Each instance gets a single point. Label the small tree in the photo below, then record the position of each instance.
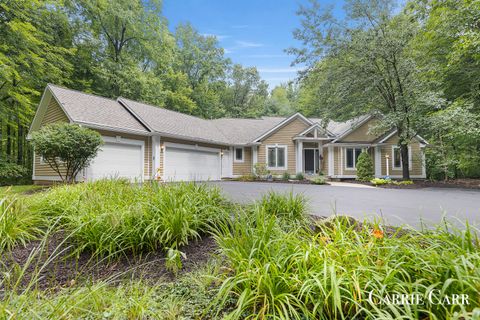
(364, 167)
(66, 148)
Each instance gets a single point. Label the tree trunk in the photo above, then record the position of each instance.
(9, 143)
(405, 163)
(20, 140)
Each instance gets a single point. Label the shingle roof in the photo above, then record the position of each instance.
(175, 123)
(141, 117)
(242, 131)
(88, 108)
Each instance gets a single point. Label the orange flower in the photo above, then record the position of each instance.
(377, 233)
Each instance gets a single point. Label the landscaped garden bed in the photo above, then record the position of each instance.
(110, 249)
(419, 184)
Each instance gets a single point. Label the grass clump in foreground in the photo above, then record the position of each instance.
(111, 217)
(332, 270)
(18, 225)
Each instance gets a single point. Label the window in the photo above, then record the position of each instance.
(238, 154)
(352, 155)
(277, 157)
(397, 158)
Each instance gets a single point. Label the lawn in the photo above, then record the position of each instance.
(110, 249)
(20, 189)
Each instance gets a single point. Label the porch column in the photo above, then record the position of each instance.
(299, 162)
(254, 157)
(330, 161)
(155, 156)
(378, 161)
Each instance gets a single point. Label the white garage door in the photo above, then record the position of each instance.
(191, 165)
(117, 160)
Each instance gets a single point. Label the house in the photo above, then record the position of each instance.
(145, 142)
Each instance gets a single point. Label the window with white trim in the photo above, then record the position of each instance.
(238, 155)
(397, 158)
(276, 157)
(351, 156)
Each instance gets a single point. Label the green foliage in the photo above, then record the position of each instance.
(247, 178)
(297, 273)
(11, 173)
(290, 206)
(261, 170)
(18, 225)
(66, 148)
(286, 176)
(300, 176)
(112, 217)
(380, 181)
(364, 167)
(319, 180)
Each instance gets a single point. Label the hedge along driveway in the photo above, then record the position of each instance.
(397, 206)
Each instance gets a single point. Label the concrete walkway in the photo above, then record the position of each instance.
(395, 206)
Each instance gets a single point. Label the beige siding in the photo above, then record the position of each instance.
(163, 140)
(417, 158)
(245, 167)
(362, 133)
(284, 136)
(54, 113)
(324, 163)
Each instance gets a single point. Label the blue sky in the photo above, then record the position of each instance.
(253, 33)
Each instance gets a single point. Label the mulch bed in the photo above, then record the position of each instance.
(65, 270)
(305, 181)
(420, 184)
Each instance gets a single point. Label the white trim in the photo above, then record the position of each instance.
(409, 158)
(284, 122)
(156, 141)
(254, 156)
(417, 137)
(189, 147)
(330, 161)
(354, 158)
(378, 161)
(424, 167)
(114, 129)
(299, 157)
(317, 126)
(276, 155)
(235, 155)
(33, 166)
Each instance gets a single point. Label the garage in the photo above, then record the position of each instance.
(191, 163)
(118, 158)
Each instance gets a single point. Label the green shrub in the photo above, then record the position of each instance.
(380, 181)
(404, 182)
(261, 170)
(11, 173)
(288, 206)
(300, 176)
(246, 178)
(17, 224)
(364, 167)
(319, 180)
(329, 273)
(66, 148)
(109, 217)
(286, 176)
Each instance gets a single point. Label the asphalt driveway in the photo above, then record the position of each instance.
(395, 206)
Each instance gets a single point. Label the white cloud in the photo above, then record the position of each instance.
(218, 36)
(248, 44)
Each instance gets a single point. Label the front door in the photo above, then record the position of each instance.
(309, 160)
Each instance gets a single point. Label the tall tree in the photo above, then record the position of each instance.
(31, 54)
(365, 65)
(246, 93)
